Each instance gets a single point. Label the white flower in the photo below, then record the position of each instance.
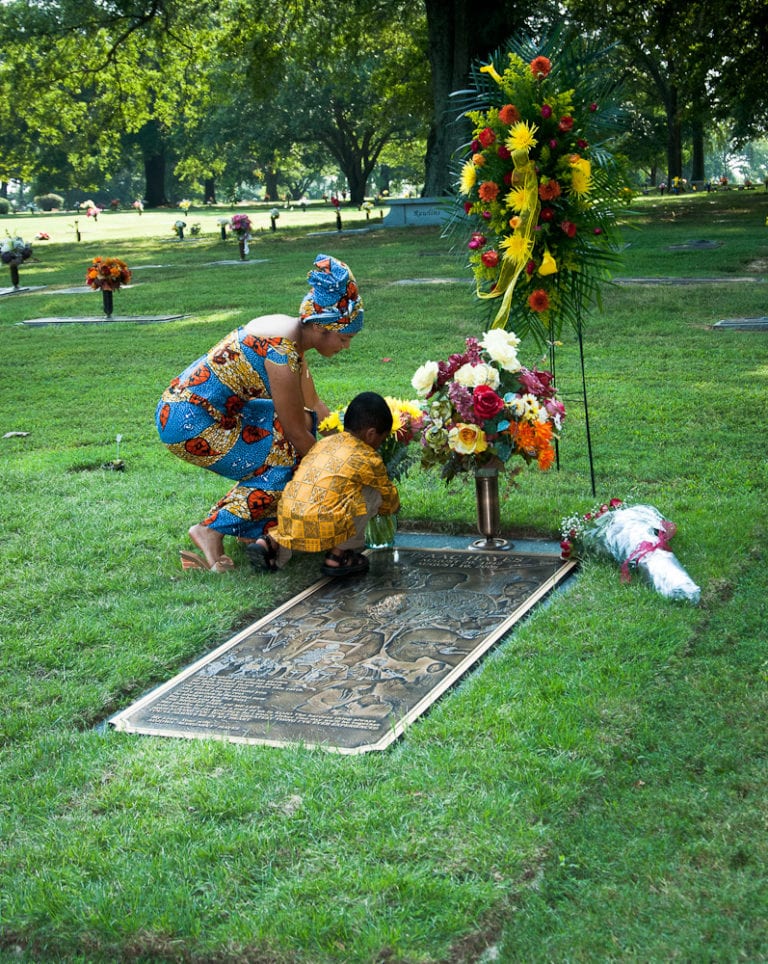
(424, 378)
(470, 376)
(502, 348)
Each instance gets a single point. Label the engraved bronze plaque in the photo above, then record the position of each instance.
(349, 663)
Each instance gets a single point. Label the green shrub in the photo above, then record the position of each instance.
(5, 205)
(48, 202)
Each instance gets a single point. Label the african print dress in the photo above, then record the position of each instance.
(219, 414)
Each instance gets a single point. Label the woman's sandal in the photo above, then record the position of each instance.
(263, 554)
(348, 563)
(191, 560)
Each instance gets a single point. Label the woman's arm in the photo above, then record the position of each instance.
(311, 399)
(289, 402)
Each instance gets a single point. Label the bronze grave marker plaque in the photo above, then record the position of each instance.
(349, 663)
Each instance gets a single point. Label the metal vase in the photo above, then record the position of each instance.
(14, 274)
(106, 299)
(488, 513)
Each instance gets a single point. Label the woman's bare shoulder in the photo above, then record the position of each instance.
(274, 326)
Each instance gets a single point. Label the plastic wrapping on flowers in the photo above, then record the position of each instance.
(539, 190)
(637, 537)
(14, 250)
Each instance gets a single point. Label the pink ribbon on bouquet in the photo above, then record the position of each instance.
(640, 551)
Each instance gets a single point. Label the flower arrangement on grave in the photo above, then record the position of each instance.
(185, 205)
(539, 189)
(14, 250)
(108, 274)
(635, 536)
(178, 228)
(481, 407)
(240, 224)
(397, 452)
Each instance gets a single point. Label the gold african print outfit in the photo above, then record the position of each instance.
(318, 507)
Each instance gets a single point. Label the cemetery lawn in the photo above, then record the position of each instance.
(595, 790)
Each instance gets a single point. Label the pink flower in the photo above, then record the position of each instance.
(553, 144)
(569, 228)
(476, 241)
(593, 107)
(546, 111)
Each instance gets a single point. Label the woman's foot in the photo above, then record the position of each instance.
(345, 562)
(211, 544)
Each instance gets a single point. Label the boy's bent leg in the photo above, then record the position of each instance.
(372, 505)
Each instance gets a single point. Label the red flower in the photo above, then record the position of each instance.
(546, 111)
(530, 267)
(504, 152)
(488, 191)
(549, 191)
(509, 114)
(467, 207)
(490, 258)
(486, 402)
(553, 144)
(538, 300)
(547, 214)
(569, 228)
(565, 123)
(486, 137)
(540, 67)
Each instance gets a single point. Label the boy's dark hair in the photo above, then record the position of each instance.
(368, 410)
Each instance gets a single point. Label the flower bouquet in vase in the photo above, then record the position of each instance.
(107, 275)
(482, 407)
(14, 251)
(240, 225)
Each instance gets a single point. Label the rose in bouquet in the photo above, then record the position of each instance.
(396, 450)
(14, 250)
(241, 226)
(108, 274)
(539, 188)
(482, 407)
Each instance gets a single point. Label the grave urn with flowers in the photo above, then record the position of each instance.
(481, 410)
(240, 225)
(107, 275)
(14, 251)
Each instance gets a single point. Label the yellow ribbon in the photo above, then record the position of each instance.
(513, 264)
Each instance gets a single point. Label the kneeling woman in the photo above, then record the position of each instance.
(248, 409)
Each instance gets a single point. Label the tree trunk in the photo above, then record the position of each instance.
(697, 150)
(270, 185)
(209, 190)
(674, 137)
(154, 173)
(458, 31)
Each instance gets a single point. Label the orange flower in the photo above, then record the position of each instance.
(546, 458)
(488, 191)
(478, 160)
(550, 190)
(540, 67)
(538, 300)
(509, 114)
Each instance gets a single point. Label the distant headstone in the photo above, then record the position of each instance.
(415, 212)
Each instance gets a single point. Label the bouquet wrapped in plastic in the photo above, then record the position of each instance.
(638, 537)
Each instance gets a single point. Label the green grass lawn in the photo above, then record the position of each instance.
(595, 790)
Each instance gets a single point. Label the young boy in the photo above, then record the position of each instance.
(339, 484)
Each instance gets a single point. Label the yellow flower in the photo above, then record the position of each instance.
(468, 177)
(331, 423)
(548, 264)
(581, 175)
(467, 439)
(491, 71)
(516, 248)
(517, 199)
(521, 137)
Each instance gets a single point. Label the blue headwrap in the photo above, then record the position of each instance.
(333, 299)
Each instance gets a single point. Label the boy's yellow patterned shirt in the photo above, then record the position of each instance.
(318, 506)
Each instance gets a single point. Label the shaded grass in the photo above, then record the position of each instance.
(588, 793)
